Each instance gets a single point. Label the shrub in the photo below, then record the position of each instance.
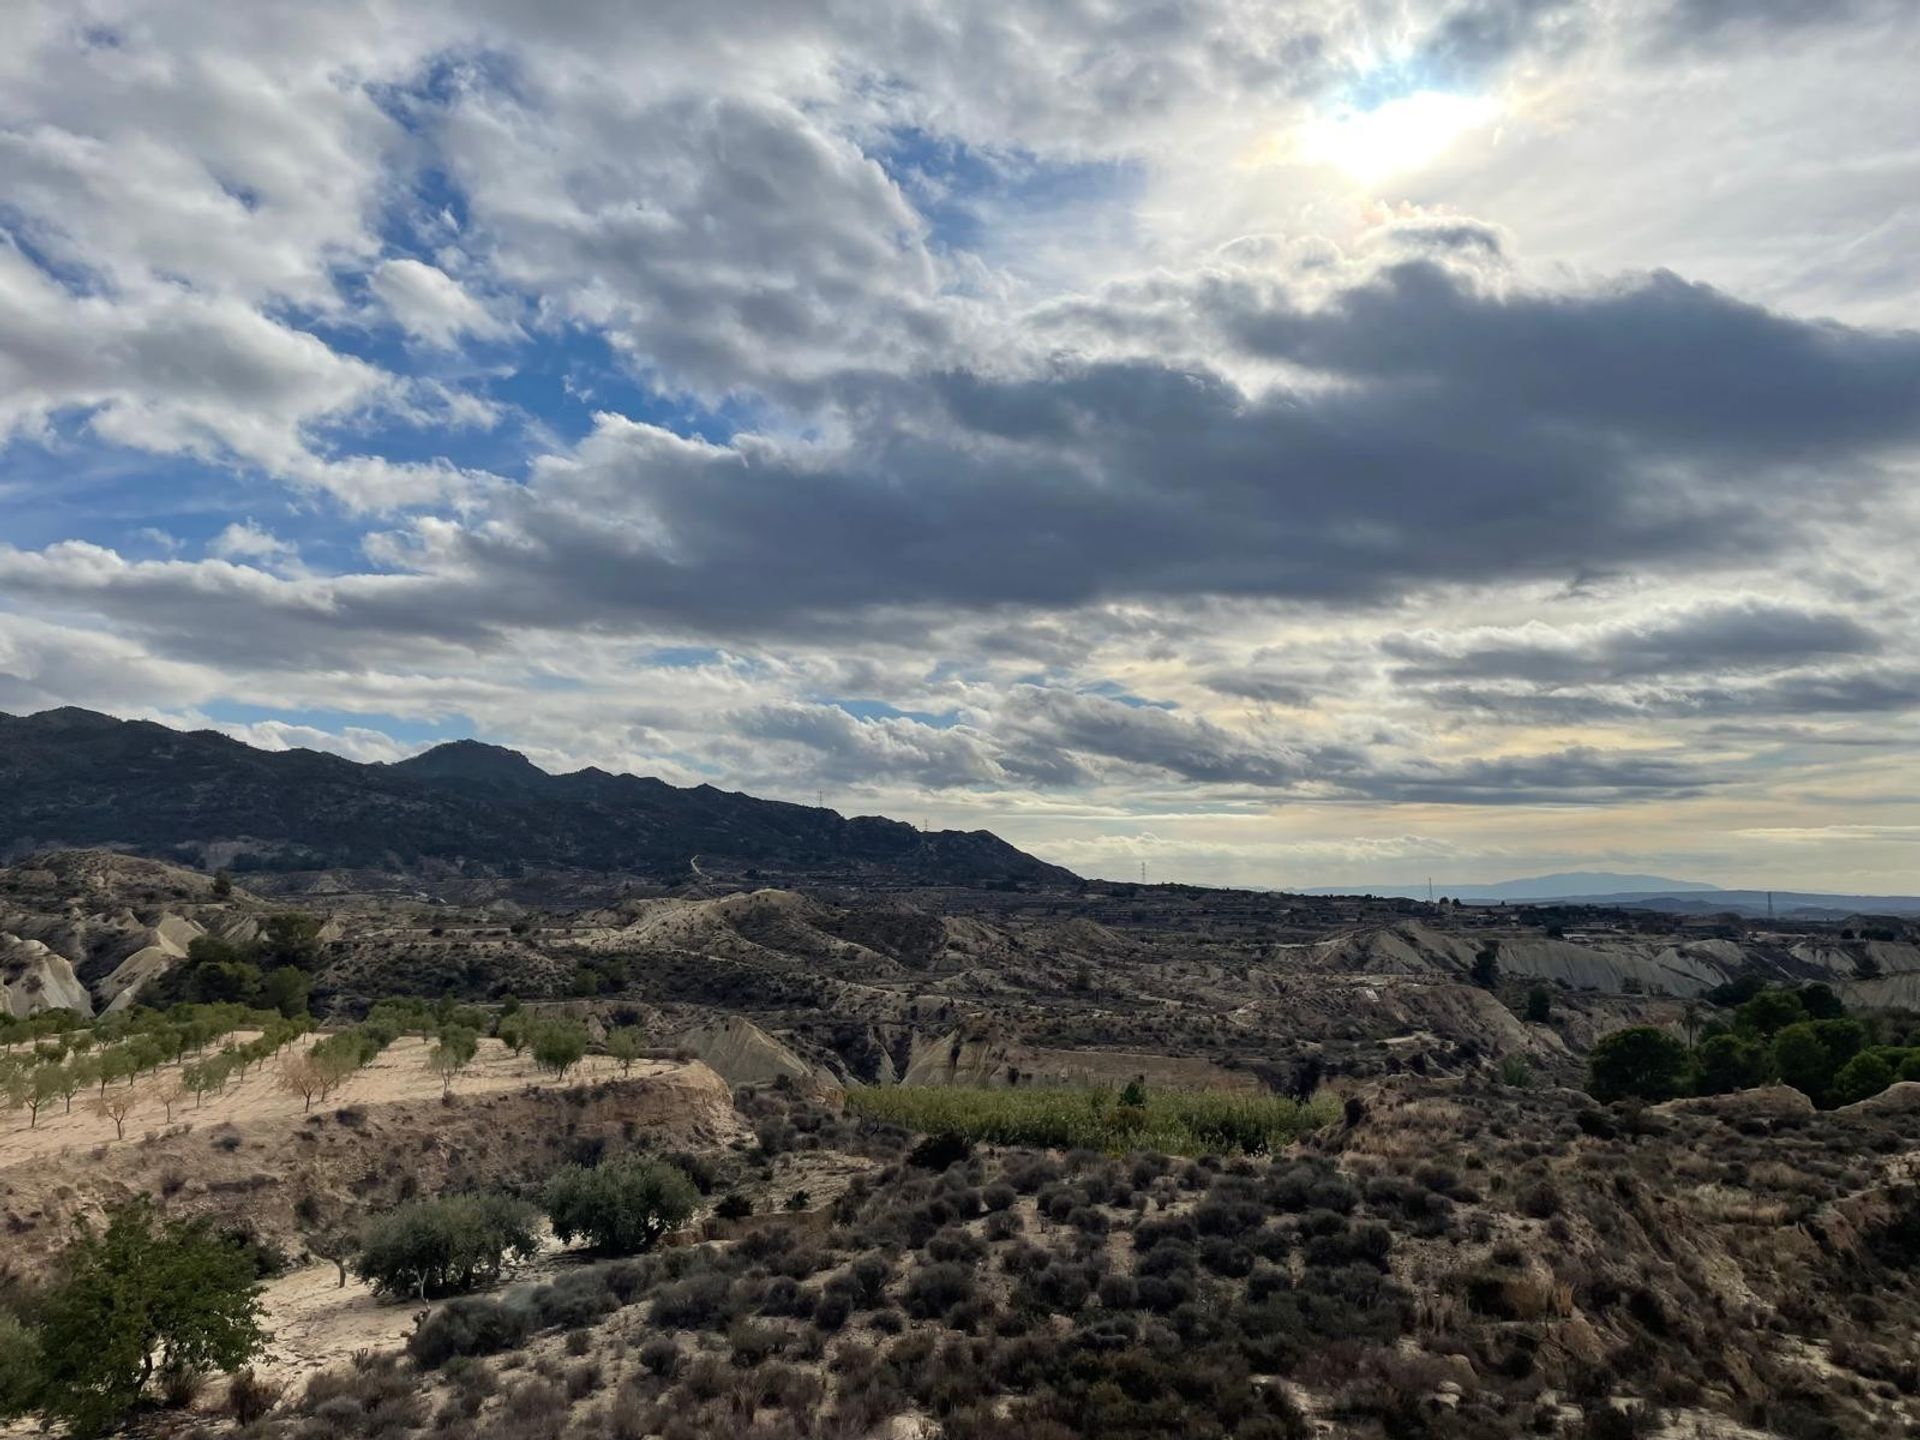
(473, 1325)
(700, 1302)
(445, 1246)
(621, 1206)
(249, 1398)
(21, 1366)
(1641, 1061)
(936, 1289)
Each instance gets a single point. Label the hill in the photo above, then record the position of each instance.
(71, 777)
(1562, 885)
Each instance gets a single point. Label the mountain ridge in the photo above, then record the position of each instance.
(73, 777)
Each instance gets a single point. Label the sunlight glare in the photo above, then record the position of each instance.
(1401, 135)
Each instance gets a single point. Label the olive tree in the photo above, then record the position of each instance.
(620, 1206)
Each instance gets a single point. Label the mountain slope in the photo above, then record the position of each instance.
(74, 778)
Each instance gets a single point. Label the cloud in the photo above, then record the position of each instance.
(999, 365)
(1710, 639)
(244, 540)
(429, 303)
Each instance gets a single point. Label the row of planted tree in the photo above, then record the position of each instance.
(163, 1060)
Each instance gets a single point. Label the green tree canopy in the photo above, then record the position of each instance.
(1810, 1055)
(1642, 1061)
(625, 1045)
(445, 1246)
(1770, 1011)
(1732, 1061)
(621, 1206)
(558, 1045)
(1865, 1074)
(138, 1298)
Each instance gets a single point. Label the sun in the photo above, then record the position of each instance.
(1397, 136)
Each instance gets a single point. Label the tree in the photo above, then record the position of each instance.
(1690, 1020)
(625, 1044)
(1820, 1002)
(446, 1246)
(286, 990)
(444, 1064)
(1134, 1093)
(512, 1031)
(1732, 1061)
(1486, 967)
(301, 1075)
(222, 884)
(116, 1106)
(1539, 1005)
(1865, 1074)
(621, 1206)
(558, 1046)
(1810, 1055)
(1640, 1061)
(43, 1086)
(137, 1298)
(75, 1076)
(206, 1078)
(1802, 1061)
(291, 938)
(1770, 1012)
(169, 1094)
(339, 1246)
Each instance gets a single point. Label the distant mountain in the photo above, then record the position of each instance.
(1648, 892)
(1564, 885)
(75, 778)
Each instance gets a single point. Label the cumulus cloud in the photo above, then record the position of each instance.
(965, 375)
(431, 304)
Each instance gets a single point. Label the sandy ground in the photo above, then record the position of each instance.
(314, 1324)
(397, 1076)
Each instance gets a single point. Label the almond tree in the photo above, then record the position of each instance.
(300, 1075)
(116, 1106)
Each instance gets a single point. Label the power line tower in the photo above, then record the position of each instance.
(1143, 872)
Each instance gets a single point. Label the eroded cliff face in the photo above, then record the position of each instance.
(35, 978)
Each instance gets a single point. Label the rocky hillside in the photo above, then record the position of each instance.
(71, 777)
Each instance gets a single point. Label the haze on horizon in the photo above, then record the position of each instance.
(1285, 445)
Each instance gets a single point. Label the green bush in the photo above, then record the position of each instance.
(446, 1246)
(134, 1301)
(22, 1367)
(473, 1325)
(620, 1206)
(1641, 1061)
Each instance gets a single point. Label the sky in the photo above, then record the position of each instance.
(1277, 445)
